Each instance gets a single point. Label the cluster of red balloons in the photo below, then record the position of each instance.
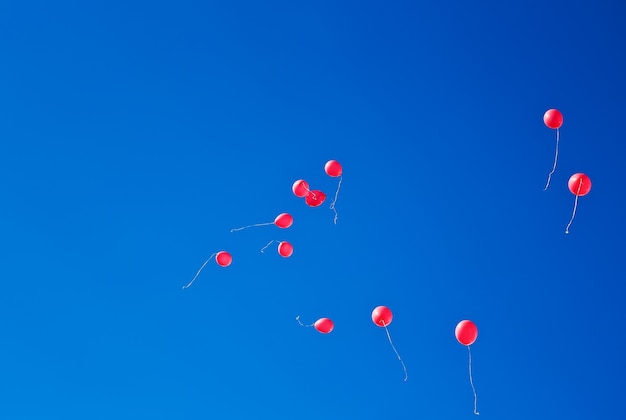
(285, 249)
(579, 184)
(315, 198)
(466, 333)
(300, 188)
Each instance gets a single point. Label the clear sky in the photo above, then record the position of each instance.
(134, 135)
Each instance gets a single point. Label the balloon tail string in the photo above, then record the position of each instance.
(249, 226)
(332, 205)
(575, 205)
(406, 375)
(268, 244)
(198, 273)
(556, 156)
(300, 322)
(472, 380)
(311, 192)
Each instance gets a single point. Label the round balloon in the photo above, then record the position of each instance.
(283, 220)
(324, 325)
(223, 258)
(300, 188)
(553, 118)
(333, 168)
(315, 198)
(579, 184)
(285, 249)
(382, 316)
(466, 332)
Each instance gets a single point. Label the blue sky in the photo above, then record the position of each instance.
(135, 135)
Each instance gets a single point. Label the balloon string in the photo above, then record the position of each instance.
(575, 205)
(300, 322)
(406, 375)
(332, 205)
(249, 226)
(196, 276)
(268, 244)
(556, 155)
(311, 192)
(471, 380)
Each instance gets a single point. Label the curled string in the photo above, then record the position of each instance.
(268, 244)
(300, 322)
(332, 205)
(406, 375)
(575, 205)
(556, 155)
(471, 380)
(196, 276)
(249, 226)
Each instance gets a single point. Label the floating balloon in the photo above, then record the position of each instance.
(300, 188)
(285, 249)
(222, 258)
(579, 184)
(323, 325)
(315, 198)
(283, 221)
(466, 334)
(382, 316)
(553, 119)
(333, 168)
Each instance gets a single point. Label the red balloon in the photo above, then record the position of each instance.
(283, 220)
(223, 258)
(466, 332)
(285, 249)
(382, 316)
(579, 184)
(333, 168)
(553, 118)
(300, 188)
(315, 198)
(324, 325)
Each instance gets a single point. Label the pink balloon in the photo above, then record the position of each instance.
(223, 258)
(315, 198)
(579, 184)
(553, 118)
(333, 168)
(382, 316)
(285, 249)
(466, 332)
(283, 220)
(300, 188)
(324, 325)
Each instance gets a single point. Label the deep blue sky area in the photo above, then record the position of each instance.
(134, 135)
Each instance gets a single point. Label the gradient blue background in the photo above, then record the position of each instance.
(135, 135)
